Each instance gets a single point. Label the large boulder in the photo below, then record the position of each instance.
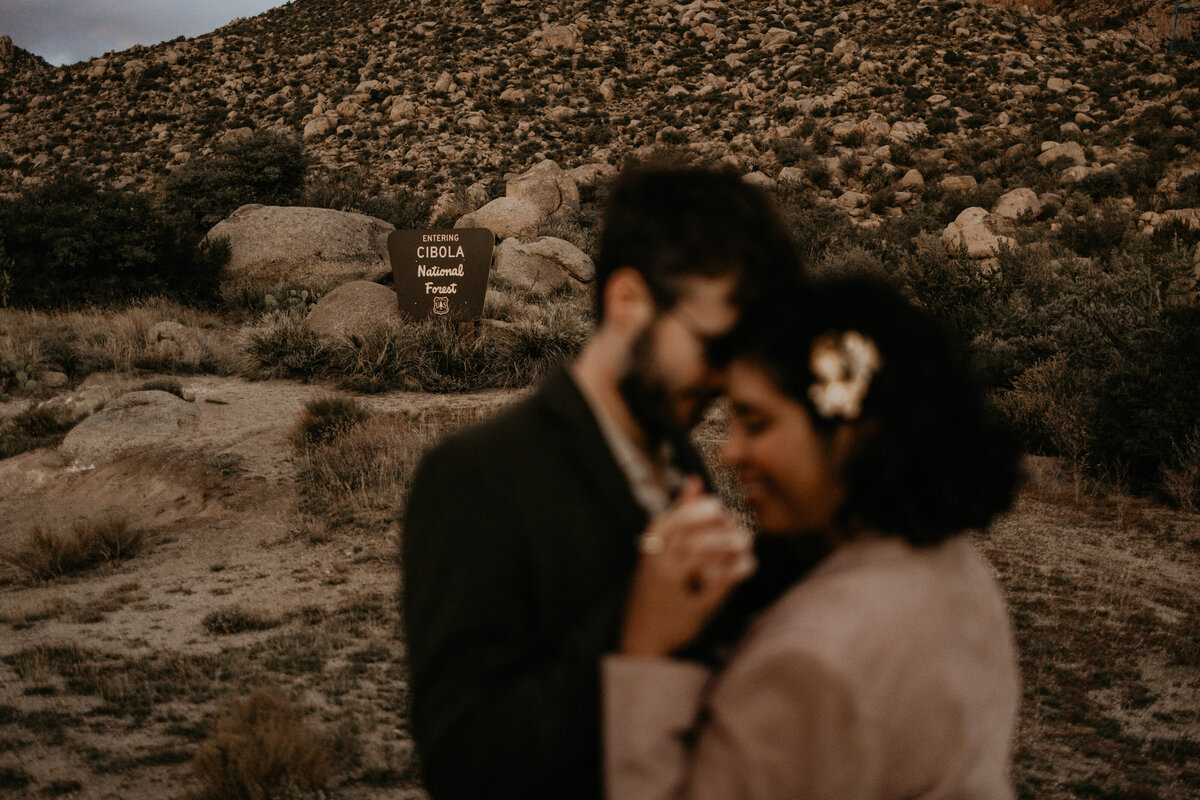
(505, 217)
(542, 265)
(591, 174)
(1052, 151)
(315, 247)
(1018, 203)
(135, 419)
(907, 131)
(547, 186)
(977, 231)
(350, 308)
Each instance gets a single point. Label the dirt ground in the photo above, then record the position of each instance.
(110, 679)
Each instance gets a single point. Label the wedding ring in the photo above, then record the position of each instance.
(651, 543)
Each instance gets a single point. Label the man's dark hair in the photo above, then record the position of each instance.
(934, 459)
(674, 223)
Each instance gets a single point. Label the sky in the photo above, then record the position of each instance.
(67, 31)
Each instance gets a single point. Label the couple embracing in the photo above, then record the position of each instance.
(584, 618)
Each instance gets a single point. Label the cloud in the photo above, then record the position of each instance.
(67, 31)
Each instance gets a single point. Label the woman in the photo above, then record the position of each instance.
(889, 670)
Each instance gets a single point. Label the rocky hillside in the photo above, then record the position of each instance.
(441, 100)
(15, 62)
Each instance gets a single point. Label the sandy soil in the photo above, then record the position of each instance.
(1107, 584)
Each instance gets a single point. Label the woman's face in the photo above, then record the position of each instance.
(787, 470)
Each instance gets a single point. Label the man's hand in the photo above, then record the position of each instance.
(693, 555)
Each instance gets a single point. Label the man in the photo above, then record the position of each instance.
(521, 533)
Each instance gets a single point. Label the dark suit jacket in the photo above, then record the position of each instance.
(518, 545)
(519, 542)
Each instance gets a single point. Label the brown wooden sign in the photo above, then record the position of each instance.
(441, 272)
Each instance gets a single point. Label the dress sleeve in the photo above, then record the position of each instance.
(776, 725)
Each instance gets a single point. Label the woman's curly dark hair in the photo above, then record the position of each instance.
(933, 460)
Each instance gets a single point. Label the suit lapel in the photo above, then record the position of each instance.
(584, 445)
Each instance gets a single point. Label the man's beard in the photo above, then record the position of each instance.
(650, 402)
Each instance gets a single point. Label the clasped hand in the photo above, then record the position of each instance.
(692, 556)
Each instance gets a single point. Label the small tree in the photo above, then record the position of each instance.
(265, 168)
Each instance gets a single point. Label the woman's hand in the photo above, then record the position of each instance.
(693, 555)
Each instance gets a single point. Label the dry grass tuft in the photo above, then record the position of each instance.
(236, 619)
(81, 342)
(364, 475)
(261, 749)
(327, 417)
(45, 426)
(46, 554)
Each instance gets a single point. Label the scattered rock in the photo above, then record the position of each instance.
(1052, 151)
(911, 180)
(974, 229)
(958, 183)
(53, 379)
(588, 175)
(852, 200)
(1018, 203)
(315, 247)
(907, 131)
(546, 186)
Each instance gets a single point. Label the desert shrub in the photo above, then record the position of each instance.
(47, 554)
(262, 749)
(326, 417)
(789, 151)
(1092, 359)
(1096, 232)
(1189, 190)
(363, 476)
(814, 228)
(1103, 183)
(70, 242)
(238, 619)
(280, 346)
(84, 341)
(429, 355)
(351, 190)
(1149, 406)
(943, 120)
(853, 138)
(821, 140)
(1181, 475)
(264, 168)
(43, 426)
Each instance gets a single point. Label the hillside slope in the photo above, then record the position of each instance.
(478, 89)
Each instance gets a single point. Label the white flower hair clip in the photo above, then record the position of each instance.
(843, 365)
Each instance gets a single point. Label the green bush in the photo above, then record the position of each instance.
(1149, 403)
(1091, 359)
(70, 242)
(351, 190)
(264, 168)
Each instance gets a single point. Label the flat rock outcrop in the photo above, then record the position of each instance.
(135, 419)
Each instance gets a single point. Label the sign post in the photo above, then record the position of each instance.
(441, 272)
